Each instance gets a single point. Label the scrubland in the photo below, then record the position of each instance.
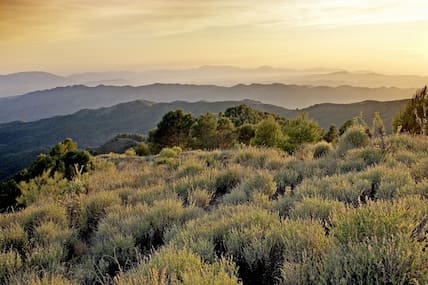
(352, 213)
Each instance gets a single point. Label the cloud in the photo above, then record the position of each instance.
(68, 18)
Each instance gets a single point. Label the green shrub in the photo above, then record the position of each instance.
(142, 149)
(321, 149)
(34, 216)
(42, 187)
(168, 152)
(130, 152)
(406, 157)
(283, 205)
(291, 176)
(316, 208)
(190, 168)
(386, 183)
(227, 180)
(10, 264)
(200, 198)
(392, 260)
(44, 278)
(354, 137)
(261, 182)
(48, 257)
(370, 155)
(14, 237)
(50, 232)
(420, 170)
(94, 209)
(344, 188)
(172, 266)
(381, 219)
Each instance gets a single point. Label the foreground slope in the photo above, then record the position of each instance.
(356, 215)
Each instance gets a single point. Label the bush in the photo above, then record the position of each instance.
(172, 266)
(168, 152)
(354, 137)
(42, 187)
(261, 183)
(371, 156)
(344, 188)
(190, 168)
(386, 183)
(226, 181)
(130, 152)
(93, 210)
(14, 237)
(316, 208)
(392, 260)
(321, 149)
(10, 264)
(46, 258)
(200, 198)
(420, 170)
(36, 216)
(142, 149)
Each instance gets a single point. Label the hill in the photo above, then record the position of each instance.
(25, 82)
(67, 100)
(20, 142)
(243, 216)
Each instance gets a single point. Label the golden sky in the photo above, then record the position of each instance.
(67, 36)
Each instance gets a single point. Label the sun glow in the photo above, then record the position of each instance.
(67, 36)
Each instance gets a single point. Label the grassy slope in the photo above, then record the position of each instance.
(237, 204)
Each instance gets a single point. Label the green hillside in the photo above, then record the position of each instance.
(352, 214)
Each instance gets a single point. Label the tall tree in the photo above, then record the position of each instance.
(332, 135)
(172, 130)
(268, 133)
(226, 133)
(204, 132)
(243, 114)
(301, 130)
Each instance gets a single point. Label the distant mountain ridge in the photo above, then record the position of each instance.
(20, 142)
(67, 100)
(25, 82)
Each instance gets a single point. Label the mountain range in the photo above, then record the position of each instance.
(67, 100)
(25, 82)
(21, 142)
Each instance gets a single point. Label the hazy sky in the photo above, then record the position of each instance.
(68, 36)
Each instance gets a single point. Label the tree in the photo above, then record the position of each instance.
(243, 114)
(346, 125)
(414, 118)
(204, 132)
(246, 133)
(268, 133)
(301, 130)
(172, 130)
(226, 133)
(332, 135)
(63, 147)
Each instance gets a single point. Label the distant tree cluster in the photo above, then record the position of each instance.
(237, 125)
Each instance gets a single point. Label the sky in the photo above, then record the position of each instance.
(68, 36)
